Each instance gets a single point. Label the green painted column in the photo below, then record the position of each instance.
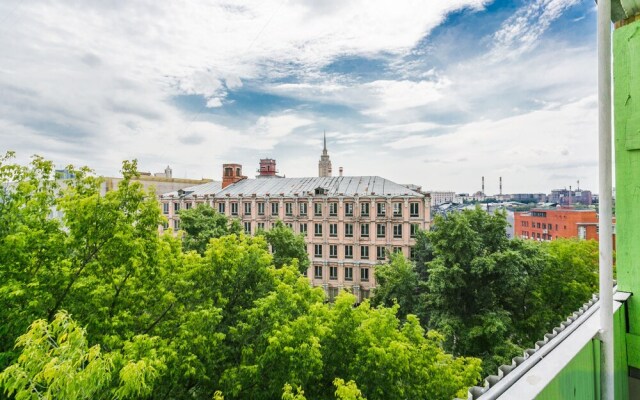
(626, 77)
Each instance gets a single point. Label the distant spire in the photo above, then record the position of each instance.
(325, 140)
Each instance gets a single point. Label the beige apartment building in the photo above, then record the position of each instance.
(350, 223)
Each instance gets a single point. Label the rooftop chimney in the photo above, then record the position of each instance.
(500, 186)
(267, 167)
(483, 185)
(231, 173)
(340, 170)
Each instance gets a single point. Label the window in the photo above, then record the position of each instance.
(414, 209)
(397, 209)
(381, 230)
(317, 272)
(317, 209)
(176, 224)
(333, 273)
(348, 230)
(364, 230)
(333, 293)
(414, 230)
(247, 208)
(317, 229)
(165, 225)
(333, 230)
(544, 226)
(221, 208)
(261, 226)
(260, 208)
(382, 209)
(288, 209)
(397, 249)
(364, 293)
(364, 209)
(364, 274)
(303, 209)
(247, 228)
(317, 250)
(348, 209)
(234, 208)
(348, 251)
(303, 228)
(550, 227)
(333, 251)
(333, 209)
(274, 209)
(538, 224)
(189, 205)
(289, 225)
(380, 253)
(364, 252)
(397, 231)
(348, 274)
(412, 253)
(176, 206)
(165, 208)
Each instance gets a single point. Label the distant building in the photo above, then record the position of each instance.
(566, 197)
(552, 223)
(162, 182)
(438, 198)
(529, 197)
(349, 223)
(324, 165)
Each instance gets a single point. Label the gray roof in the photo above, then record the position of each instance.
(334, 186)
(209, 188)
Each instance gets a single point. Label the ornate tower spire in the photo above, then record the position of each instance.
(324, 165)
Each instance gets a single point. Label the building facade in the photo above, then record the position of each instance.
(569, 197)
(549, 224)
(350, 224)
(438, 198)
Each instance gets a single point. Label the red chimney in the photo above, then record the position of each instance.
(267, 167)
(231, 173)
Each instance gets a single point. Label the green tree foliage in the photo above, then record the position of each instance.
(161, 322)
(489, 296)
(202, 223)
(287, 246)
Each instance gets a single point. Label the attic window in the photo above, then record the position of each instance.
(320, 191)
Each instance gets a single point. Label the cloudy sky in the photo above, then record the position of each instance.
(432, 92)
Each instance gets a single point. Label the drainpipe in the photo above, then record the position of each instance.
(605, 190)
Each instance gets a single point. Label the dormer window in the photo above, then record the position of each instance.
(320, 191)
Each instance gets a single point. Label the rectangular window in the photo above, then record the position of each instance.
(188, 205)
(348, 209)
(397, 209)
(364, 252)
(176, 224)
(317, 209)
(221, 208)
(165, 225)
(348, 251)
(333, 293)
(303, 209)
(247, 228)
(333, 230)
(397, 249)
(303, 228)
(381, 253)
(550, 227)
(288, 209)
(176, 206)
(382, 209)
(333, 209)
(364, 274)
(317, 229)
(414, 230)
(317, 272)
(364, 230)
(412, 253)
(333, 251)
(317, 250)
(397, 231)
(274, 209)
(364, 293)
(364, 209)
(414, 209)
(234, 208)
(261, 208)
(333, 273)
(381, 230)
(289, 225)
(348, 274)
(261, 226)
(348, 230)
(165, 208)
(247, 208)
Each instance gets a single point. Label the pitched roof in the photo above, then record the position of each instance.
(333, 186)
(208, 188)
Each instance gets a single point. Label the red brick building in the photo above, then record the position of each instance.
(549, 224)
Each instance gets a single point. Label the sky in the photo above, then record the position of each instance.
(436, 93)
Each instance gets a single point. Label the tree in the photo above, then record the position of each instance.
(202, 223)
(397, 284)
(286, 246)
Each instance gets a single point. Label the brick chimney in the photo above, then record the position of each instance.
(267, 167)
(231, 173)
